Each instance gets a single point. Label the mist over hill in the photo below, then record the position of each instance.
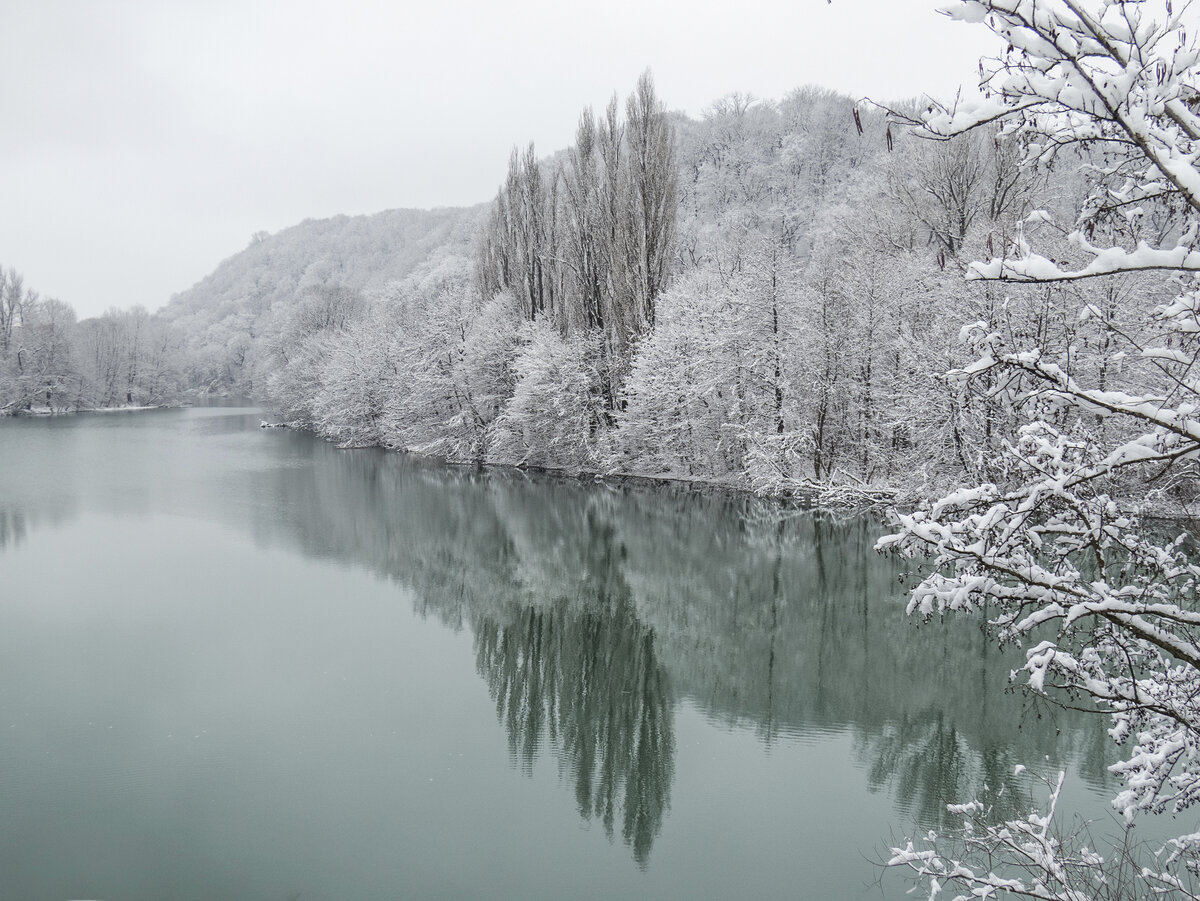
(219, 317)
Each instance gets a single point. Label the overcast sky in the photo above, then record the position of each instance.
(143, 142)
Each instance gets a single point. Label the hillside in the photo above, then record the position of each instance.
(222, 313)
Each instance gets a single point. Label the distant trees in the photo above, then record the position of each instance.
(127, 357)
(47, 373)
(13, 297)
(37, 369)
(50, 361)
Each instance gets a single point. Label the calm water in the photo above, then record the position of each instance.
(243, 664)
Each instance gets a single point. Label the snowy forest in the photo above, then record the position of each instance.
(763, 298)
(52, 362)
(986, 311)
(769, 297)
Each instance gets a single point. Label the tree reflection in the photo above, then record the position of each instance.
(595, 607)
(583, 676)
(13, 527)
(17, 522)
(928, 761)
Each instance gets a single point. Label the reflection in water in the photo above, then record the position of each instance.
(589, 683)
(13, 528)
(596, 608)
(581, 674)
(929, 761)
(18, 520)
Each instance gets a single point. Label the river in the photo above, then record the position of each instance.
(242, 663)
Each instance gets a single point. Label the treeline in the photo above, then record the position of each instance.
(52, 362)
(209, 339)
(768, 297)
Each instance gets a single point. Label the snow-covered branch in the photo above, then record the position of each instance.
(1104, 604)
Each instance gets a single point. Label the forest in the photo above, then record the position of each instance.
(986, 312)
(767, 297)
(51, 362)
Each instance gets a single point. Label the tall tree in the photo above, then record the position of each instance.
(653, 186)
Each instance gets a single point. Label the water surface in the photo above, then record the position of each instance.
(242, 663)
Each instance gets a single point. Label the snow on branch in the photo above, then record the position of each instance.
(1077, 71)
(1050, 553)
(1118, 80)
(1109, 261)
(1038, 856)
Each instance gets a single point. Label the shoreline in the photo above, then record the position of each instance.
(837, 499)
(832, 499)
(40, 412)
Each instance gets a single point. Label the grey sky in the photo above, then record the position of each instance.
(146, 141)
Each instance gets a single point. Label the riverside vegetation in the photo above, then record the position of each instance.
(773, 298)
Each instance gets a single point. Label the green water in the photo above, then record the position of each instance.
(240, 663)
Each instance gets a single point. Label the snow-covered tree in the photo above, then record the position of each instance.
(1104, 605)
(40, 370)
(556, 408)
(13, 295)
(308, 330)
(357, 377)
(454, 356)
(677, 398)
(587, 242)
(652, 179)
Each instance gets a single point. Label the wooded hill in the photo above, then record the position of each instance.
(207, 337)
(220, 317)
(768, 296)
